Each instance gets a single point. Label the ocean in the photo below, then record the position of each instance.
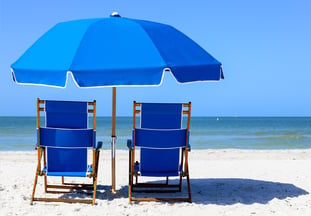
(19, 133)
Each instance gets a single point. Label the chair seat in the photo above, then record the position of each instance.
(157, 173)
(69, 174)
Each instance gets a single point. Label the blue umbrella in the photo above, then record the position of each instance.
(114, 51)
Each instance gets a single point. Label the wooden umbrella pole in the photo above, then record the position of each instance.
(113, 143)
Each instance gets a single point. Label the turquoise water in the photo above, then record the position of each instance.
(19, 134)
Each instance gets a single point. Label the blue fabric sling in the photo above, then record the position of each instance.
(160, 138)
(66, 138)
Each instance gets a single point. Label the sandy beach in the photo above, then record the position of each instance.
(223, 182)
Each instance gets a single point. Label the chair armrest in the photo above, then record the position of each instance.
(189, 147)
(99, 145)
(130, 144)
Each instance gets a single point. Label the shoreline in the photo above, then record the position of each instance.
(223, 182)
(239, 153)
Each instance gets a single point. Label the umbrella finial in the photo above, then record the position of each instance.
(115, 14)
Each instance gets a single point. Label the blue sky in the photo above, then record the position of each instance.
(264, 47)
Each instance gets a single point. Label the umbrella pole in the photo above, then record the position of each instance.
(113, 143)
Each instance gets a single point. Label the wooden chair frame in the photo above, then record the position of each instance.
(135, 186)
(64, 188)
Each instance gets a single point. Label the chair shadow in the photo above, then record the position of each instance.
(229, 191)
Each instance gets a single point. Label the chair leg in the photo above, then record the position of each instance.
(34, 188)
(130, 192)
(96, 161)
(95, 188)
(45, 184)
(180, 183)
(189, 189)
(130, 177)
(95, 176)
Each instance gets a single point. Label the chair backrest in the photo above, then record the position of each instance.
(66, 136)
(160, 137)
(161, 115)
(66, 114)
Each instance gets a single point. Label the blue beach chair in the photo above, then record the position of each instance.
(163, 145)
(63, 147)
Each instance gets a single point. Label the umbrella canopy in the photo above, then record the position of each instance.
(114, 51)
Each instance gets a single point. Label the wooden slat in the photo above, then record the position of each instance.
(86, 201)
(67, 192)
(153, 199)
(154, 185)
(73, 187)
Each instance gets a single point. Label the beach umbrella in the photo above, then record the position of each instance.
(111, 52)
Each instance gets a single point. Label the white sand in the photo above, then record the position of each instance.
(223, 182)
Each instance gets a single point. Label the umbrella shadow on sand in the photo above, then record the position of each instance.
(219, 191)
(103, 192)
(229, 191)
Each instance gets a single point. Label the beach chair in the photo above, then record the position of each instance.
(162, 146)
(64, 144)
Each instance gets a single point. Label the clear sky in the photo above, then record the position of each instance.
(264, 46)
